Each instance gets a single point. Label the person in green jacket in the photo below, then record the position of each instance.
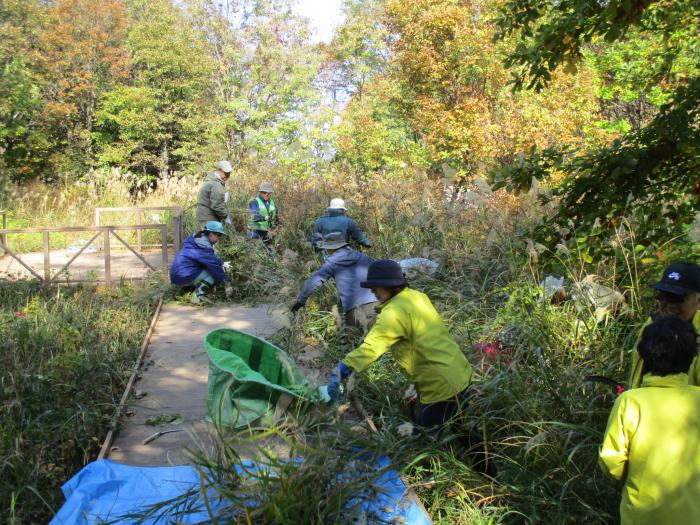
(677, 293)
(651, 440)
(211, 202)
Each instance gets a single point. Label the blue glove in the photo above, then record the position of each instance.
(340, 373)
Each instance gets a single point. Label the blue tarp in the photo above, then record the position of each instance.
(105, 490)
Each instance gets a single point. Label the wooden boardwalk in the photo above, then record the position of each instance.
(173, 382)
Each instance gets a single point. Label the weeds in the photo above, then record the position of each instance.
(65, 357)
(541, 422)
(326, 474)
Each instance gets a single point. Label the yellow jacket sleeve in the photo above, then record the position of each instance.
(388, 330)
(614, 451)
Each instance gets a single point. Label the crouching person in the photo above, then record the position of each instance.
(651, 441)
(408, 325)
(197, 265)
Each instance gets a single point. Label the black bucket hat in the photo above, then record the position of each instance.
(680, 278)
(384, 273)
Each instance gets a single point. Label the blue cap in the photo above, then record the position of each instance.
(214, 227)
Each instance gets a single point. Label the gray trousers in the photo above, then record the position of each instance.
(362, 316)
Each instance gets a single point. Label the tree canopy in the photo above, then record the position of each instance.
(599, 100)
(651, 173)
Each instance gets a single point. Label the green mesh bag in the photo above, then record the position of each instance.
(250, 380)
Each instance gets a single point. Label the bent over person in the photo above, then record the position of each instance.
(408, 325)
(335, 220)
(651, 440)
(197, 265)
(348, 268)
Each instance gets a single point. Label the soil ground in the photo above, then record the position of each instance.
(88, 266)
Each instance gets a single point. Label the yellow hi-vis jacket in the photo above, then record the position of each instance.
(652, 444)
(635, 380)
(409, 326)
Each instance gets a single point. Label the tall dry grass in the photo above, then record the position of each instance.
(540, 421)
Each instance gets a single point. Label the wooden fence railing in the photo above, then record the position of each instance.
(137, 212)
(103, 233)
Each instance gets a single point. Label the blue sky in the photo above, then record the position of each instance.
(325, 15)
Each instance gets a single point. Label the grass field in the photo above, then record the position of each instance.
(542, 423)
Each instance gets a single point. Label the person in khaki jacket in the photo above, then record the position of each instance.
(211, 203)
(651, 441)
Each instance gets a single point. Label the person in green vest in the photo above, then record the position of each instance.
(263, 216)
(677, 293)
(211, 202)
(651, 439)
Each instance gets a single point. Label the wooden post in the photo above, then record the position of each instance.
(108, 261)
(4, 226)
(138, 232)
(47, 260)
(97, 223)
(164, 243)
(177, 229)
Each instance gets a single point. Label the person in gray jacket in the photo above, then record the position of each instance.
(211, 204)
(335, 220)
(348, 268)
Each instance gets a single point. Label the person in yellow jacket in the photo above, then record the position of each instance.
(677, 293)
(408, 325)
(651, 440)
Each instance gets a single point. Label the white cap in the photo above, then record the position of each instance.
(224, 166)
(337, 204)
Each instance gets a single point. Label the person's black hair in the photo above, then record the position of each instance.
(669, 298)
(394, 290)
(668, 346)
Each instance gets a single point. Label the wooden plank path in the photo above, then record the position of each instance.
(173, 381)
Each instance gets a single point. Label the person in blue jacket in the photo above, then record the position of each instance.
(335, 220)
(348, 268)
(197, 265)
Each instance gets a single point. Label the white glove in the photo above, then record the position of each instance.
(405, 429)
(228, 220)
(227, 266)
(228, 290)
